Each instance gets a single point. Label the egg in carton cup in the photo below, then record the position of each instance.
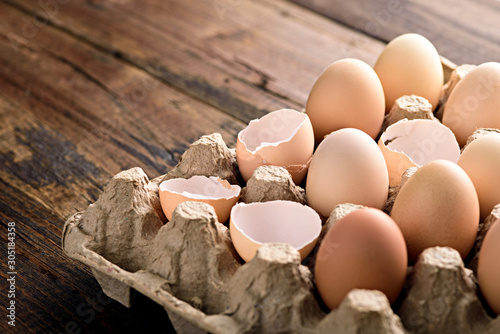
(190, 267)
(195, 266)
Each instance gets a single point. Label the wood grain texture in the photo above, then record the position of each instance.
(248, 59)
(50, 82)
(464, 31)
(89, 88)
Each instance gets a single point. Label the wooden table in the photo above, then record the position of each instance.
(90, 88)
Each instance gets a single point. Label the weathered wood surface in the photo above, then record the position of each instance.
(89, 88)
(464, 31)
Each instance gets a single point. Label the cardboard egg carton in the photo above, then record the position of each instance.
(190, 267)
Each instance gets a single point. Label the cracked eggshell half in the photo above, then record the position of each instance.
(252, 225)
(281, 138)
(212, 190)
(413, 143)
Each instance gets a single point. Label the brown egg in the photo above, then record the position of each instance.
(252, 225)
(488, 269)
(481, 161)
(348, 94)
(410, 65)
(437, 206)
(474, 102)
(363, 250)
(281, 138)
(347, 167)
(211, 190)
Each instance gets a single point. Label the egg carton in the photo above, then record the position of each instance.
(190, 267)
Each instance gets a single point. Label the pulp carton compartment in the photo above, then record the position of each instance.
(189, 265)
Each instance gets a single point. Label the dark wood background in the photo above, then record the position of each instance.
(90, 88)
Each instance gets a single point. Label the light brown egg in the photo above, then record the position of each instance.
(481, 161)
(410, 65)
(411, 143)
(474, 102)
(437, 206)
(363, 250)
(347, 167)
(348, 94)
(211, 190)
(488, 269)
(281, 138)
(254, 224)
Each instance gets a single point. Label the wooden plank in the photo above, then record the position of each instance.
(99, 87)
(463, 31)
(54, 293)
(68, 123)
(37, 192)
(50, 73)
(255, 57)
(70, 97)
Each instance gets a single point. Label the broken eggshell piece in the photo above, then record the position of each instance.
(282, 138)
(211, 190)
(252, 225)
(413, 143)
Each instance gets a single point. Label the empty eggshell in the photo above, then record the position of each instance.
(348, 94)
(254, 224)
(410, 64)
(282, 138)
(488, 270)
(411, 143)
(211, 190)
(347, 167)
(474, 102)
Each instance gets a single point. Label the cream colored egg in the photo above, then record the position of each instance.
(347, 167)
(437, 206)
(481, 161)
(348, 94)
(474, 102)
(488, 268)
(410, 65)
